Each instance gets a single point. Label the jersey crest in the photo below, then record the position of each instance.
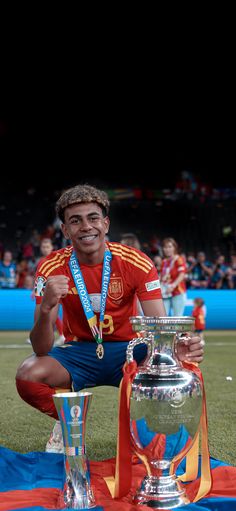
(115, 289)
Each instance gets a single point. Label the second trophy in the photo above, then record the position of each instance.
(72, 408)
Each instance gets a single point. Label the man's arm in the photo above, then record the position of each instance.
(207, 269)
(153, 307)
(42, 333)
(177, 281)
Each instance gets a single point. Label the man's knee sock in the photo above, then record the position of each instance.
(38, 395)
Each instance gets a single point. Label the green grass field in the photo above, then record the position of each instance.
(24, 429)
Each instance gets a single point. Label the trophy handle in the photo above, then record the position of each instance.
(132, 344)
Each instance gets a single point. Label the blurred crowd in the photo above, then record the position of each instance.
(199, 272)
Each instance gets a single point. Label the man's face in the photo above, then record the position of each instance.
(169, 249)
(46, 248)
(201, 257)
(85, 226)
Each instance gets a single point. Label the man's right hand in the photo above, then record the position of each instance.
(56, 288)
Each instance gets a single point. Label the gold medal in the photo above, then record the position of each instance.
(100, 351)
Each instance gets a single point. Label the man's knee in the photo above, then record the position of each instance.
(31, 370)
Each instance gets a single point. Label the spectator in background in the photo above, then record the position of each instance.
(190, 264)
(28, 282)
(199, 313)
(201, 271)
(46, 247)
(218, 279)
(173, 273)
(8, 274)
(22, 272)
(131, 240)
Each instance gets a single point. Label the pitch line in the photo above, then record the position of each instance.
(15, 346)
(26, 346)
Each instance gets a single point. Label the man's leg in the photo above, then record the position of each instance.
(178, 304)
(167, 305)
(37, 379)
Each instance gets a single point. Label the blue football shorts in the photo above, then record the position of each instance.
(86, 370)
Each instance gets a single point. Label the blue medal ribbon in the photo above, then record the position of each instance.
(84, 296)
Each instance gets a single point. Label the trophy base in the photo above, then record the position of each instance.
(161, 493)
(77, 496)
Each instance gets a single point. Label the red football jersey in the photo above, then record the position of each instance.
(133, 275)
(198, 314)
(170, 269)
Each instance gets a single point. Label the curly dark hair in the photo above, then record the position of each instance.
(79, 194)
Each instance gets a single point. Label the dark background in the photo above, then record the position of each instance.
(78, 111)
(56, 148)
(114, 126)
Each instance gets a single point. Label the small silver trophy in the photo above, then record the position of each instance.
(72, 408)
(165, 405)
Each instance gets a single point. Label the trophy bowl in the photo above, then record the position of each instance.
(165, 408)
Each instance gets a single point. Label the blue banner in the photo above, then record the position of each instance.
(220, 307)
(17, 308)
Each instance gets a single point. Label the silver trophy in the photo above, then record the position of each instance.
(72, 408)
(165, 408)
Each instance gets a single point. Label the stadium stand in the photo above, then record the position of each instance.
(198, 222)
